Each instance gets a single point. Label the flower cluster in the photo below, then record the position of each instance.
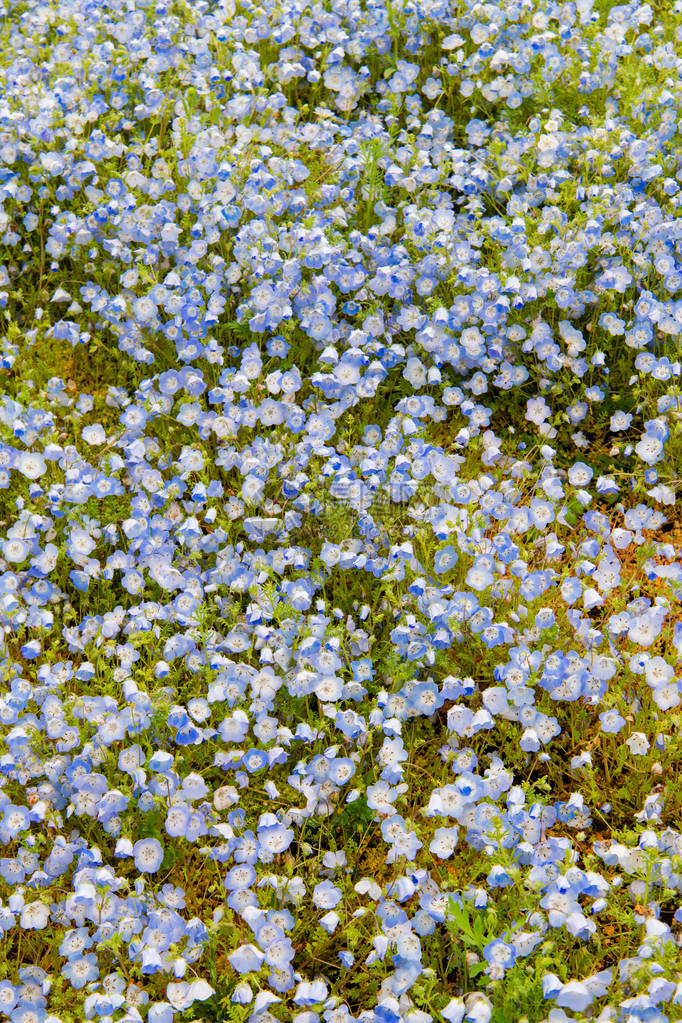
(339, 564)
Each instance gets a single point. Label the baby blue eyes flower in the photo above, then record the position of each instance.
(537, 410)
(579, 475)
(161, 761)
(15, 820)
(246, 959)
(182, 994)
(144, 309)
(329, 922)
(81, 970)
(454, 1011)
(240, 877)
(275, 838)
(620, 421)
(34, 916)
(255, 760)
(148, 854)
(8, 996)
(480, 576)
(31, 465)
(649, 449)
(445, 559)
(326, 895)
(242, 994)
(94, 434)
(16, 551)
(499, 955)
(178, 821)
(575, 996)
(499, 877)
(160, 1012)
(28, 1013)
(612, 323)
(637, 743)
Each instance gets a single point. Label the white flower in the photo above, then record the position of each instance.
(637, 743)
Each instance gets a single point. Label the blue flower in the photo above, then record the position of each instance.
(500, 957)
(446, 558)
(575, 996)
(28, 1012)
(246, 959)
(81, 969)
(148, 854)
(650, 448)
(454, 1011)
(8, 996)
(480, 575)
(499, 877)
(274, 839)
(240, 877)
(326, 895)
(242, 994)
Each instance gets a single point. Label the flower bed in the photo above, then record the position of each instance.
(339, 555)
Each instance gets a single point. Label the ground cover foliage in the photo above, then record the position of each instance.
(339, 547)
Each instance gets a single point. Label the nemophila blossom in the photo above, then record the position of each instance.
(650, 448)
(445, 559)
(34, 916)
(94, 434)
(31, 465)
(500, 957)
(15, 820)
(240, 877)
(637, 743)
(326, 895)
(620, 421)
(8, 996)
(28, 1012)
(80, 970)
(246, 959)
(242, 994)
(275, 838)
(579, 474)
(480, 575)
(454, 1011)
(148, 854)
(537, 410)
